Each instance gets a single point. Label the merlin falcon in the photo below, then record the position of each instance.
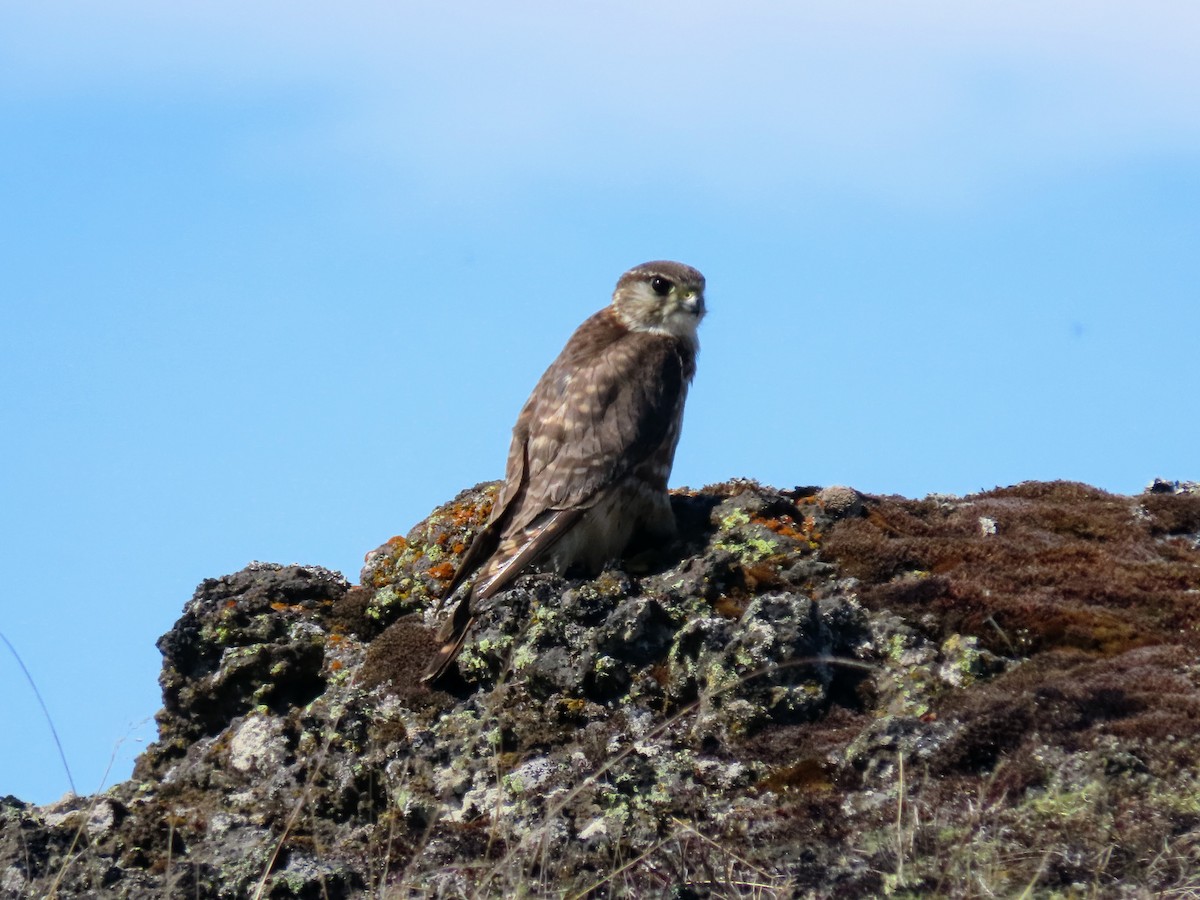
(593, 446)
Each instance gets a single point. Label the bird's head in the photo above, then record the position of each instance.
(662, 298)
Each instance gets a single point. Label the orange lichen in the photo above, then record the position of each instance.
(661, 673)
(471, 514)
(729, 607)
(761, 576)
(442, 571)
(395, 545)
(570, 709)
(783, 525)
(804, 532)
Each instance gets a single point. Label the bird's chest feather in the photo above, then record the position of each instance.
(603, 533)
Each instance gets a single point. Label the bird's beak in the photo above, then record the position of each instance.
(693, 303)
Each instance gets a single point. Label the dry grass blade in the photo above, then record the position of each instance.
(52, 891)
(645, 854)
(45, 712)
(297, 808)
(691, 829)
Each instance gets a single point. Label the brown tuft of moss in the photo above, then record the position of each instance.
(1173, 514)
(1028, 568)
(349, 614)
(399, 656)
(807, 775)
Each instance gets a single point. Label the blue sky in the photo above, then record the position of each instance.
(275, 280)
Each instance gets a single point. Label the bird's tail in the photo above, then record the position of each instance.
(452, 635)
(508, 559)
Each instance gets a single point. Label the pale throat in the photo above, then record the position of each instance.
(647, 316)
(681, 325)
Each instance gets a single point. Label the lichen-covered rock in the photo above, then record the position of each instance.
(812, 693)
(252, 639)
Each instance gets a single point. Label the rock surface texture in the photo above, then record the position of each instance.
(814, 693)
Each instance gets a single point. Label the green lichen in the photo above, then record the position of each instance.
(743, 657)
(478, 658)
(524, 657)
(660, 794)
(895, 646)
(615, 805)
(735, 519)
(719, 679)
(750, 548)
(963, 662)
(453, 726)
(387, 597)
(741, 541)
(1061, 803)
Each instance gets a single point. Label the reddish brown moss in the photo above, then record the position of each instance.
(398, 657)
(1067, 566)
(1173, 513)
(730, 607)
(349, 614)
(808, 775)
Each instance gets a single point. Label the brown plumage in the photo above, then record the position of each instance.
(593, 446)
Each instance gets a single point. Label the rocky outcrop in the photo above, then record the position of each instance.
(812, 693)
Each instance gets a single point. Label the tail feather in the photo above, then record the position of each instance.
(453, 635)
(507, 560)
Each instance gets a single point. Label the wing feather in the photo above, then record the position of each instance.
(594, 417)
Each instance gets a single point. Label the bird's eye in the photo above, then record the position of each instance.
(660, 285)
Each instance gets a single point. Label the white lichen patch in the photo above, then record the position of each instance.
(258, 745)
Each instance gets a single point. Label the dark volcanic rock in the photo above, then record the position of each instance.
(252, 639)
(812, 693)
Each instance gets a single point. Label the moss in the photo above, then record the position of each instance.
(1070, 566)
(1173, 514)
(398, 656)
(1061, 805)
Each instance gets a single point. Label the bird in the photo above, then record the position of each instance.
(592, 448)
